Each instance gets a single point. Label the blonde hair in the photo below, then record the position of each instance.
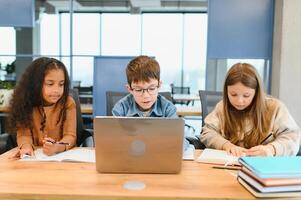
(234, 119)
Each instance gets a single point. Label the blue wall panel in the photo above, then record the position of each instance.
(17, 13)
(109, 75)
(240, 28)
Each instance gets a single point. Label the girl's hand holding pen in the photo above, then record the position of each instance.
(261, 150)
(50, 147)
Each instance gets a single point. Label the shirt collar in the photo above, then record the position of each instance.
(155, 112)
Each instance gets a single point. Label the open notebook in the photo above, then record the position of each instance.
(73, 155)
(213, 156)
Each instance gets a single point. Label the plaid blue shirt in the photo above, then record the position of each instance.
(128, 107)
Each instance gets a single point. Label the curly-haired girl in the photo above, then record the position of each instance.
(42, 112)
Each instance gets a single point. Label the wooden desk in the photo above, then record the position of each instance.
(55, 180)
(188, 110)
(86, 109)
(4, 109)
(186, 97)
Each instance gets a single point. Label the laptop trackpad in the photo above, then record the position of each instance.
(137, 148)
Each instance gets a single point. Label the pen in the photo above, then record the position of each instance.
(227, 167)
(265, 139)
(53, 142)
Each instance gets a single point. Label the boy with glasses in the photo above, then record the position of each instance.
(143, 76)
(144, 100)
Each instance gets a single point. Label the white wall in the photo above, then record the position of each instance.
(286, 64)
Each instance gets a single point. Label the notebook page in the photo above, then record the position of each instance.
(214, 156)
(73, 155)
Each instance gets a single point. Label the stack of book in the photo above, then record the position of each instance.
(271, 176)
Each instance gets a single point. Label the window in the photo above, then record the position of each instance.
(176, 40)
(120, 35)
(194, 51)
(49, 34)
(86, 44)
(7, 47)
(162, 38)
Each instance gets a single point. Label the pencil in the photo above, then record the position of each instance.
(53, 142)
(265, 139)
(227, 167)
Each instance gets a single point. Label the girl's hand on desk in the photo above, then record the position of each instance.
(25, 149)
(261, 150)
(234, 150)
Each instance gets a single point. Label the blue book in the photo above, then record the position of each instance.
(273, 167)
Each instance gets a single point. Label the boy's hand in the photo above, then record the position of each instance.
(261, 150)
(234, 150)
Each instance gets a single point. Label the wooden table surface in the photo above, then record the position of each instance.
(186, 97)
(62, 180)
(188, 110)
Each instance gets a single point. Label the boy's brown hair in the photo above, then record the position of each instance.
(142, 68)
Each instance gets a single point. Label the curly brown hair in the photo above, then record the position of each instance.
(28, 94)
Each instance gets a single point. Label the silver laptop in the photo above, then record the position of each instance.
(138, 145)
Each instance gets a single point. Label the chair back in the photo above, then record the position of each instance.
(81, 133)
(112, 98)
(7, 142)
(180, 90)
(167, 95)
(85, 90)
(208, 100)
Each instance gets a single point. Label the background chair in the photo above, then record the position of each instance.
(7, 142)
(85, 94)
(180, 90)
(112, 98)
(208, 100)
(84, 136)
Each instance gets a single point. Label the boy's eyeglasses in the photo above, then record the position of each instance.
(151, 90)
